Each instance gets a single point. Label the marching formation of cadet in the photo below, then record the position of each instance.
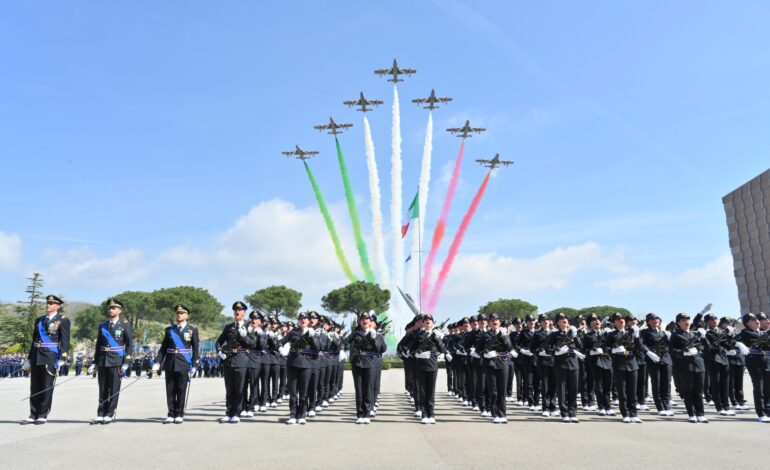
(605, 363)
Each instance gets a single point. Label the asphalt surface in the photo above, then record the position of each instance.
(395, 439)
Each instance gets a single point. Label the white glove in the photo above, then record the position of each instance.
(730, 330)
(59, 363)
(423, 355)
(474, 354)
(341, 356)
(542, 354)
(636, 331)
(242, 331)
(25, 367)
(437, 334)
(702, 332)
(124, 367)
(490, 354)
(260, 331)
(372, 333)
(514, 354)
(91, 369)
(250, 329)
(573, 330)
(271, 333)
(732, 352)
(284, 350)
(619, 350)
(222, 355)
(691, 352)
(155, 367)
(503, 330)
(309, 331)
(668, 334)
(579, 355)
(193, 371)
(562, 351)
(597, 351)
(742, 347)
(654, 357)
(448, 357)
(606, 330)
(526, 352)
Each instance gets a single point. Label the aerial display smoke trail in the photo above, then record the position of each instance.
(438, 233)
(330, 226)
(374, 189)
(395, 194)
(436, 292)
(413, 277)
(351, 200)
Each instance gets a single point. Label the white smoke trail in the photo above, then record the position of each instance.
(395, 194)
(397, 255)
(413, 277)
(374, 188)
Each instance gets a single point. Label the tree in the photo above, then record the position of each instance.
(34, 297)
(508, 309)
(276, 300)
(12, 326)
(569, 312)
(603, 311)
(86, 325)
(356, 298)
(205, 309)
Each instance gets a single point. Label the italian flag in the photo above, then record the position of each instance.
(412, 213)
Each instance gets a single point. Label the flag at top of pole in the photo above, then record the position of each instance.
(412, 213)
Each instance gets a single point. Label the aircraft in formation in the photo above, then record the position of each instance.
(300, 154)
(465, 131)
(495, 162)
(363, 103)
(432, 100)
(395, 71)
(332, 127)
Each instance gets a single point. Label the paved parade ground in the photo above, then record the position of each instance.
(332, 440)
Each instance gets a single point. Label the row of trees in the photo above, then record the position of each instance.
(508, 309)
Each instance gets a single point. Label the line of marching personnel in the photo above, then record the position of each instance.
(604, 362)
(263, 363)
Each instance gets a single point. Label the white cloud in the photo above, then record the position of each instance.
(83, 267)
(714, 274)
(492, 275)
(10, 251)
(277, 242)
(184, 256)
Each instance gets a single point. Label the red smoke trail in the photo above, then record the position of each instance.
(438, 233)
(456, 245)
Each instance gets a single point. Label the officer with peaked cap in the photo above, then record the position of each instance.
(178, 356)
(755, 345)
(301, 346)
(687, 346)
(49, 350)
(111, 358)
(234, 346)
(366, 348)
(655, 346)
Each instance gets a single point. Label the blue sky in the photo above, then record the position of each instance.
(140, 143)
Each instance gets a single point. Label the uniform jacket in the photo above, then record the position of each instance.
(58, 329)
(679, 342)
(655, 340)
(568, 360)
(365, 351)
(236, 347)
(123, 334)
(625, 361)
(500, 343)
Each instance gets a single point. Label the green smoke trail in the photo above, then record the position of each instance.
(330, 226)
(360, 244)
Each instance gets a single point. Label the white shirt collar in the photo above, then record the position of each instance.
(181, 325)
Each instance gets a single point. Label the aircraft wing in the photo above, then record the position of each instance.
(311, 152)
(344, 126)
(420, 100)
(288, 154)
(454, 129)
(383, 71)
(445, 100)
(321, 127)
(374, 102)
(407, 71)
(477, 129)
(350, 102)
(483, 162)
(505, 162)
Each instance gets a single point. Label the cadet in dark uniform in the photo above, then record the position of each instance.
(50, 349)
(254, 371)
(737, 361)
(79, 363)
(516, 361)
(623, 344)
(545, 368)
(112, 358)
(655, 347)
(687, 347)
(524, 345)
(425, 345)
(600, 364)
(234, 346)
(496, 352)
(179, 358)
(755, 344)
(301, 345)
(366, 348)
(717, 366)
(565, 345)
